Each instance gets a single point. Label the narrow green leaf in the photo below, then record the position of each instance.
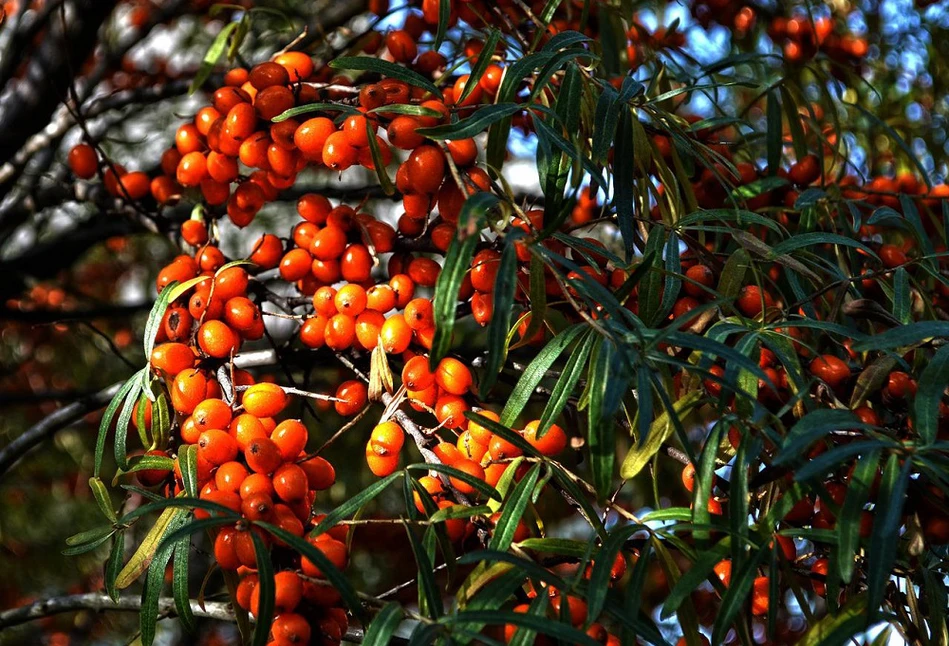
(385, 69)
(603, 566)
(179, 583)
(155, 317)
(211, 57)
(886, 531)
(567, 383)
(101, 494)
(444, 13)
(315, 107)
(513, 510)
(481, 65)
(266, 589)
(383, 626)
(904, 335)
(562, 546)
(932, 384)
(125, 416)
(811, 428)
(114, 564)
(699, 572)
(659, 431)
(154, 582)
(848, 524)
(429, 594)
(188, 459)
(381, 172)
(472, 125)
(733, 274)
(505, 285)
(457, 264)
(107, 416)
(480, 485)
(838, 628)
(536, 371)
(564, 632)
(901, 296)
(349, 507)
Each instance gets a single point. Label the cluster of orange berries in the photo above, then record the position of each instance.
(258, 467)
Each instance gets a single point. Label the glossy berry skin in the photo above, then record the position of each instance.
(830, 369)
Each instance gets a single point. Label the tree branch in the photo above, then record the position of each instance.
(98, 602)
(52, 424)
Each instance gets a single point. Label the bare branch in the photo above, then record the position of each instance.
(52, 424)
(98, 602)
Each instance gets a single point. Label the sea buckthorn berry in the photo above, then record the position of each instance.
(453, 377)
(257, 507)
(353, 395)
(401, 132)
(416, 374)
(299, 65)
(262, 455)
(256, 484)
(404, 289)
(267, 75)
(192, 168)
(551, 443)
(426, 168)
(830, 369)
(313, 332)
(290, 482)
(356, 263)
(805, 171)
(230, 476)
(332, 549)
(217, 339)
(402, 46)
(212, 413)
(314, 208)
(350, 300)
(217, 447)
(484, 270)
(381, 465)
(499, 448)
(340, 332)
(329, 243)
(83, 161)
(396, 334)
(752, 300)
(225, 553)
(481, 434)
(267, 251)
(310, 137)
(450, 411)
(702, 276)
(380, 298)
(264, 400)
(338, 153)
(188, 390)
(419, 314)
(295, 264)
(291, 628)
(172, 358)
(892, 256)
(368, 326)
(290, 437)
(469, 448)
(241, 313)
(320, 474)
(387, 438)
(434, 488)
(471, 468)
